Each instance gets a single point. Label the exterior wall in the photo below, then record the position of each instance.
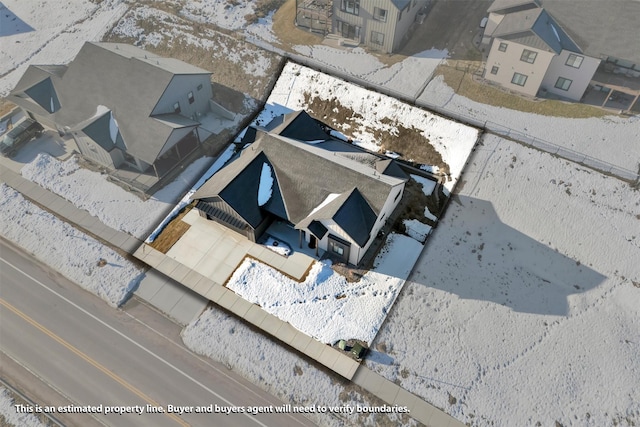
(493, 21)
(358, 252)
(394, 29)
(178, 90)
(407, 19)
(93, 151)
(580, 77)
(509, 62)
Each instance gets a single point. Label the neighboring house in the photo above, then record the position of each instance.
(125, 107)
(336, 195)
(530, 52)
(378, 24)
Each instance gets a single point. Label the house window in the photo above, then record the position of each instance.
(574, 60)
(400, 16)
(415, 2)
(348, 31)
(200, 86)
(337, 249)
(528, 56)
(397, 195)
(502, 47)
(176, 108)
(350, 6)
(377, 38)
(563, 84)
(519, 79)
(380, 14)
(191, 98)
(494, 70)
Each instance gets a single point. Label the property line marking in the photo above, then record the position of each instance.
(132, 341)
(88, 359)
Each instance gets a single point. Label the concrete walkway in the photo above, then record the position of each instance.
(172, 298)
(182, 304)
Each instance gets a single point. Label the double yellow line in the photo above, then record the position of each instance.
(89, 360)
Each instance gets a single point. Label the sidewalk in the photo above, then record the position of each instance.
(175, 300)
(160, 294)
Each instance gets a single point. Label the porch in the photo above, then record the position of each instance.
(614, 88)
(314, 15)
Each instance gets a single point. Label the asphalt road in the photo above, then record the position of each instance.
(86, 353)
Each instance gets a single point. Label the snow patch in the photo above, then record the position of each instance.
(265, 188)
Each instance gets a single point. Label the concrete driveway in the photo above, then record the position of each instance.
(451, 25)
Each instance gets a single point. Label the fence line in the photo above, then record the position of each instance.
(487, 126)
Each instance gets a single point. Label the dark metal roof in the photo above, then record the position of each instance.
(297, 125)
(317, 229)
(356, 217)
(305, 175)
(391, 168)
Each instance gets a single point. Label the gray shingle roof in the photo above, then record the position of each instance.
(305, 175)
(535, 28)
(125, 79)
(601, 27)
(504, 6)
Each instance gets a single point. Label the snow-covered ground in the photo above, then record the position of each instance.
(114, 206)
(526, 300)
(11, 416)
(612, 139)
(67, 250)
(373, 111)
(326, 306)
(49, 32)
(281, 371)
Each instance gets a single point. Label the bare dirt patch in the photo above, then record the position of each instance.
(286, 31)
(410, 143)
(211, 50)
(172, 232)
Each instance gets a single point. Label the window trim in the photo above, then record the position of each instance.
(344, 6)
(564, 80)
(377, 16)
(515, 80)
(494, 70)
(191, 98)
(378, 41)
(575, 58)
(502, 47)
(526, 56)
(176, 108)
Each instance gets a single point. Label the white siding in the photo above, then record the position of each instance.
(580, 77)
(92, 150)
(178, 91)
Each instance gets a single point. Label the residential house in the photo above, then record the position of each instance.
(125, 107)
(337, 196)
(532, 53)
(378, 24)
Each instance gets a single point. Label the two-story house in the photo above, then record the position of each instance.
(125, 107)
(531, 53)
(378, 24)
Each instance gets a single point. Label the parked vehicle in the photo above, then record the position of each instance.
(22, 133)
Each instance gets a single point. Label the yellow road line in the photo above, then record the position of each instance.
(89, 360)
